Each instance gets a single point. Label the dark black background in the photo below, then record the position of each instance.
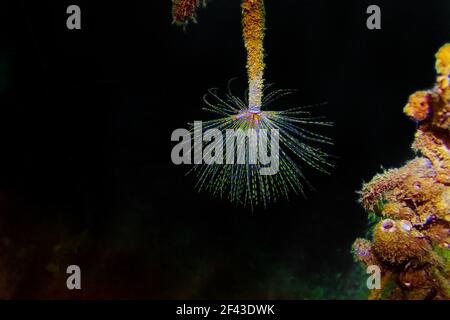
(86, 118)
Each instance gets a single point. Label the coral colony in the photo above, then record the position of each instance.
(185, 10)
(411, 205)
(243, 183)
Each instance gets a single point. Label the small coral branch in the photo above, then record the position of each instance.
(184, 11)
(431, 110)
(411, 241)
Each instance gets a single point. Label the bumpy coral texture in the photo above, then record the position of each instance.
(411, 240)
(184, 11)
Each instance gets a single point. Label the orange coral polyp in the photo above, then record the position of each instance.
(185, 10)
(418, 107)
(443, 60)
(396, 246)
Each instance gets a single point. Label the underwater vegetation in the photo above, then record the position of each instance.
(411, 205)
(242, 183)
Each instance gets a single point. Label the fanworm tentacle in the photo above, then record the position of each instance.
(242, 182)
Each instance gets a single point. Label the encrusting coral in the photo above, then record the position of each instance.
(411, 239)
(184, 11)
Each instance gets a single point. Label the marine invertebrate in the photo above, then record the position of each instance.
(243, 182)
(411, 241)
(184, 11)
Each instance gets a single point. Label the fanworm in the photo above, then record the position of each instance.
(242, 182)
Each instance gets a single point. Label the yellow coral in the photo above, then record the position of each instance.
(441, 97)
(397, 242)
(373, 191)
(418, 106)
(415, 199)
(433, 146)
(443, 60)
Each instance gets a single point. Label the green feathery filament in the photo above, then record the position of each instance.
(243, 183)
